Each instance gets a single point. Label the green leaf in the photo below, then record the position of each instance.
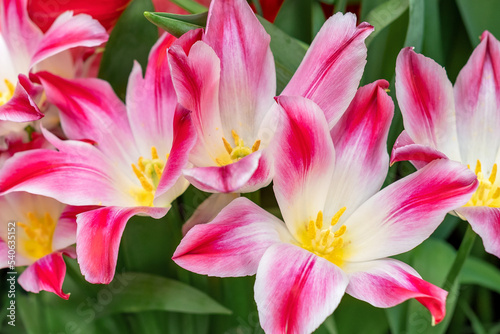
(474, 320)
(176, 24)
(190, 5)
(131, 39)
(480, 15)
(384, 14)
(415, 32)
(137, 292)
(482, 273)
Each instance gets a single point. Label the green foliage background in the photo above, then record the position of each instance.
(152, 295)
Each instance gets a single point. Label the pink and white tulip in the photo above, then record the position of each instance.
(24, 48)
(226, 77)
(37, 230)
(338, 229)
(458, 122)
(126, 159)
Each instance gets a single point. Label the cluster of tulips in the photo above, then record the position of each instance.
(77, 162)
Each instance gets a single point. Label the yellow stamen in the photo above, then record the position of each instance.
(256, 145)
(38, 233)
(340, 231)
(319, 220)
(154, 153)
(478, 167)
(336, 217)
(236, 152)
(5, 96)
(148, 173)
(493, 174)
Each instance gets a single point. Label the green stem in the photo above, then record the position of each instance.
(462, 254)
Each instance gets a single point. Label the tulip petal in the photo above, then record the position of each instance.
(477, 98)
(45, 274)
(405, 213)
(304, 162)
(91, 110)
(4, 254)
(184, 137)
(67, 32)
(21, 35)
(233, 243)
(247, 77)
(425, 96)
(98, 238)
(65, 231)
(386, 283)
(225, 179)
(151, 101)
(296, 290)
(21, 107)
(332, 68)
(196, 81)
(405, 149)
(79, 175)
(485, 221)
(360, 141)
(208, 210)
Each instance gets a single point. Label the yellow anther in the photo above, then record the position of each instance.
(311, 230)
(493, 174)
(228, 147)
(137, 172)
(256, 145)
(5, 96)
(340, 231)
(37, 241)
(338, 243)
(496, 194)
(158, 171)
(140, 163)
(154, 153)
(145, 184)
(478, 167)
(238, 141)
(319, 220)
(336, 217)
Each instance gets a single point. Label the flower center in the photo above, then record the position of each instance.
(39, 231)
(148, 172)
(6, 95)
(487, 193)
(236, 153)
(325, 241)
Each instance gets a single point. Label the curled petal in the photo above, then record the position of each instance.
(233, 243)
(425, 96)
(332, 68)
(296, 290)
(477, 98)
(420, 155)
(21, 107)
(45, 274)
(388, 282)
(98, 239)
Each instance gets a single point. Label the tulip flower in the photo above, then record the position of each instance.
(338, 229)
(459, 123)
(23, 48)
(126, 159)
(227, 79)
(36, 231)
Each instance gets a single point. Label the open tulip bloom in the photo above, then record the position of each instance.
(227, 79)
(127, 159)
(460, 123)
(37, 230)
(24, 47)
(338, 228)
